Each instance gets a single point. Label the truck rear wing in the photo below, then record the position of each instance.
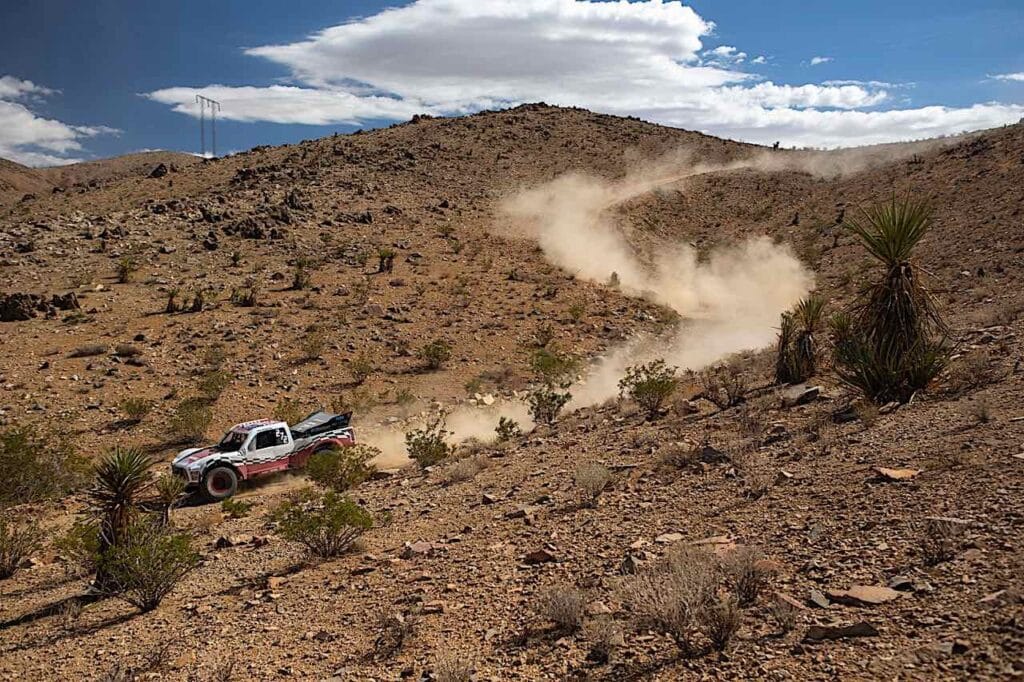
(320, 422)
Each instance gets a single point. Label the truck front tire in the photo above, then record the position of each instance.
(220, 483)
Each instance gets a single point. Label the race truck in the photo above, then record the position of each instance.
(260, 447)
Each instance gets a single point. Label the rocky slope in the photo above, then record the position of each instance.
(465, 563)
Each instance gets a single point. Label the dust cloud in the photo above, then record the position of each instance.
(728, 302)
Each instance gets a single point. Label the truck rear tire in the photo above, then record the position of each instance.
(220, 483)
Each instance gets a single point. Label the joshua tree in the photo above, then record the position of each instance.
(892, 341)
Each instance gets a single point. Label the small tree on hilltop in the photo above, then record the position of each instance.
(650, 385)
(892, 341)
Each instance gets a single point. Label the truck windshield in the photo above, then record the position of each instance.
(231, 441)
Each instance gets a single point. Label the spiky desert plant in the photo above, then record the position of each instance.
(122, 481)
(797, 356)
(170, 492)
(892, 341)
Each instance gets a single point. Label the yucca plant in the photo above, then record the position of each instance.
(892, 341)
(170, 492)
(797, 356)
(122, 481)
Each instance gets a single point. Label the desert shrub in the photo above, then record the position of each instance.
(722, 621)
(507, 430)
(17, 543)
(80, 545)
(678, 456)
(214, 356)
(301, 276)
(247, 296)
(939, 540)
(126, 269)
(427, 446)
(604, 635)
(191, 419)
(127, 350)
(452, 667)
(289, 411)
(785, 614)
(146, 564)
(747, 573)
(464, 469)
(88, 351)
(562, 605)
(553, 367)
(386, 259)
(796, 351)
(313, 343)
(393, 631)
(404, 397)
(122, 481)
(591, 479)
(361, 367)
(134, 409)
(650, 385)
(973, 370)
(979, 410)
(172, 300)
(235, 508)
(37, 466)
(674, 595)
(435, 354)
(342, 468)
(327, 525)
(546, 402)
(892, 341)
(577, 310)
(213, 382)
(724, 385)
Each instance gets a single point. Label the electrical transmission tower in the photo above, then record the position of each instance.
(214, 106)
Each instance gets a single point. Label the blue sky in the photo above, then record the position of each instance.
(81, 80)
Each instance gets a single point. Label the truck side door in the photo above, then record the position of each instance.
(269, 444)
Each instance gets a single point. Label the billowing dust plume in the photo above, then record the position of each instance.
(729, 301)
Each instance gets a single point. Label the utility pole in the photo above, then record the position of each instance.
(214, 106)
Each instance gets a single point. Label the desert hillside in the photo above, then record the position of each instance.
(258, 284)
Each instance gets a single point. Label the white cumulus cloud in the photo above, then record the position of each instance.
(1009, 76)
(820, 60)
(643, 58)
(30, 139)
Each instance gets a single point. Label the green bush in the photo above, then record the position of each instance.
(507, 430)
(147, 563)
(17, 543)
(135, 409)
(313, 344)
(650, 385)
(327, 525)
(553, 367)
(236, 509)
(191, 419)
(80, 545)
(213, 382)
(546, 402)
(289, 410)
(342, 468)
(36, 466)
(435, 354)
(427, 446)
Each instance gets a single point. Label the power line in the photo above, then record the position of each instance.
(214, 106)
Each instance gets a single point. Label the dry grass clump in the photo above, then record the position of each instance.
(17, 543)
(464, 469)
(191, 419)
(393, 631)
(591, 478)
(722, 621)
(939, 540)
(746, 570)
(678, 456)
(135, 409)
(604, 635)
(979, 410)
(562, 605)
(673, 597)
(785, 614)
(724, 385)
(973, 370)
(313, 343)
(452, 667)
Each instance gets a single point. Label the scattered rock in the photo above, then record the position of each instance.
(887, 474)
(539, 556)
(822, 633)
(864, 595)
(818, 599)
(668, 538)
(160, 171)
(800, 394)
